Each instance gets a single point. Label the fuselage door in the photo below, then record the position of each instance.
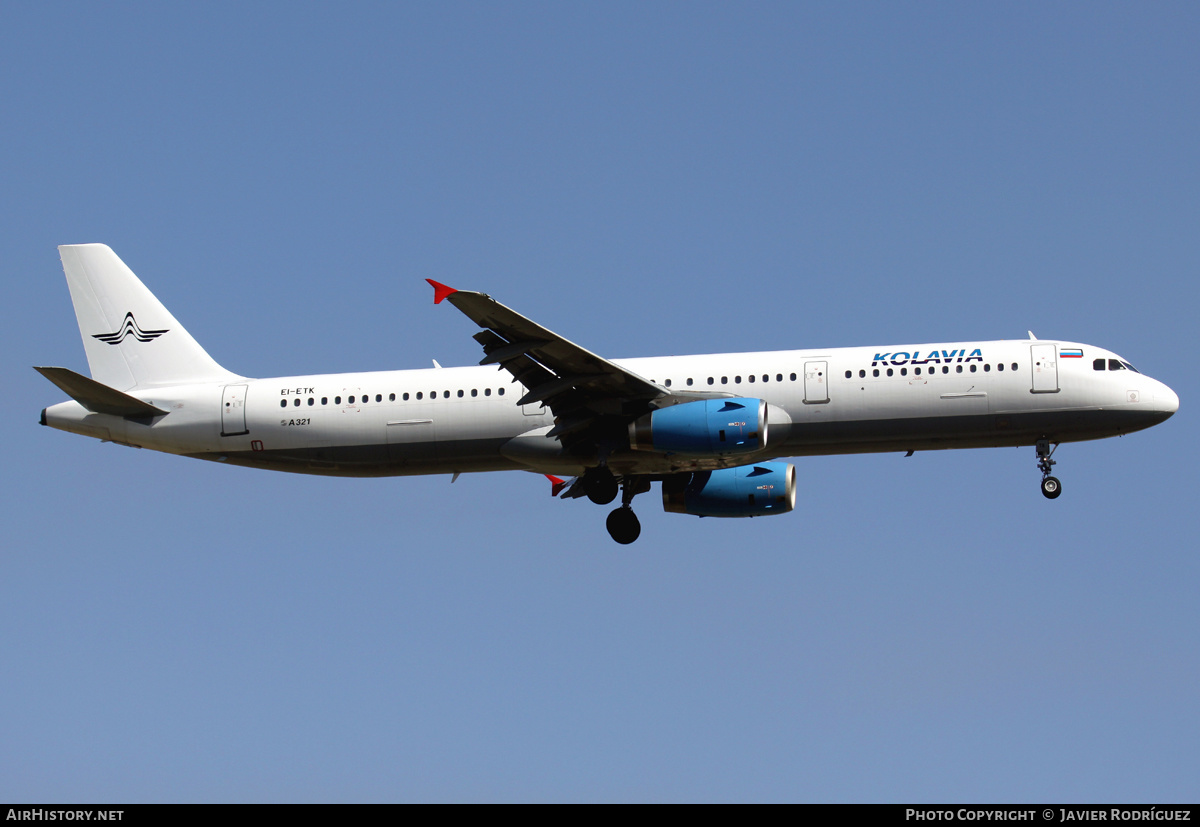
(233, 411)
(816, 383)
(1045, 368)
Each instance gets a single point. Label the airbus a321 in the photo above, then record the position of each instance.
(709, 429)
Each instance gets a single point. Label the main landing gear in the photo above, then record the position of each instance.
(1051, 487)
(623, 525)
(600, 485)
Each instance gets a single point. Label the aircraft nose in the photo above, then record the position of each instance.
(1165, 400)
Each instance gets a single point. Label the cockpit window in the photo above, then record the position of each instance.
(1130, 367)
(1115, 364)
(1097, 364)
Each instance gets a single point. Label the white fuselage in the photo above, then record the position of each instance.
(844, 400)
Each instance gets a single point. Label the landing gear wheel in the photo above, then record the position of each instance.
(1051, 487)
(600, 486)
(623, 525)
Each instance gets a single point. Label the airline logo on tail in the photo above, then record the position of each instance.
(128, 328)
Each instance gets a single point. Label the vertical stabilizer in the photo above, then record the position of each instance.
(131, 340)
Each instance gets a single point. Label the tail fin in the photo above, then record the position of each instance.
(131, 340)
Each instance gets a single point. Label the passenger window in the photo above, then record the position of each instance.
(499, 391)
(875, 372)
(379, 397)
(689, 381)
(958, 368)
(724, 380)
(848, 374)
(668, 383)
(750, 379)
(987, 368)
(474, 392)
(916, 371)
(890, 372)
(1014, 366)
(779, 377)
(904, 371)
(337, 400)
(445, 394)
(737, 380)
(862, 374)
(945, 368)
(283, 403)
(460, 394)
(391, 397)
(973, 368)
(793, 377)
(311, 401)
(419, 394)
(324, 400)
(710, 380)
(487, 391)
(296, 402)
(405, 397)
(1000, 366)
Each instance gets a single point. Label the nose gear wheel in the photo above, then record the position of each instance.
(1051, 487)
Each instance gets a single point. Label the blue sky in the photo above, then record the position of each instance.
(646, 179)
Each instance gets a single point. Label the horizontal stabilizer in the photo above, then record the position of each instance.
(99, 398)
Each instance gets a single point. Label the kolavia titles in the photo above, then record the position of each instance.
(935, 356)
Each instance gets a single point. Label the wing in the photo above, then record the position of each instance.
(590, 396)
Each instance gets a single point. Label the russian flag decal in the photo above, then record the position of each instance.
(1071, 353)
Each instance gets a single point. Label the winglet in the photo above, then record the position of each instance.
(440, 291)
(556, 484)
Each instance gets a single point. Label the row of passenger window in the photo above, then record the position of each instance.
(737, 380)
(366, 398)
(862, 374)
(712, 380)
(419, 395)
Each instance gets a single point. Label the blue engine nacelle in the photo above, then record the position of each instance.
(705, 428)
(749, 491)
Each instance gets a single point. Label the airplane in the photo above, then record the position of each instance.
(711, 429)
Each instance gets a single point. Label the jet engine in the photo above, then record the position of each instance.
(705, 428)
(750, 491)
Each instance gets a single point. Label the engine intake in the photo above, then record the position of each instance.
(750, 491)
(705, 428)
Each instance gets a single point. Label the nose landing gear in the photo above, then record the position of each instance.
(1051, 487)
